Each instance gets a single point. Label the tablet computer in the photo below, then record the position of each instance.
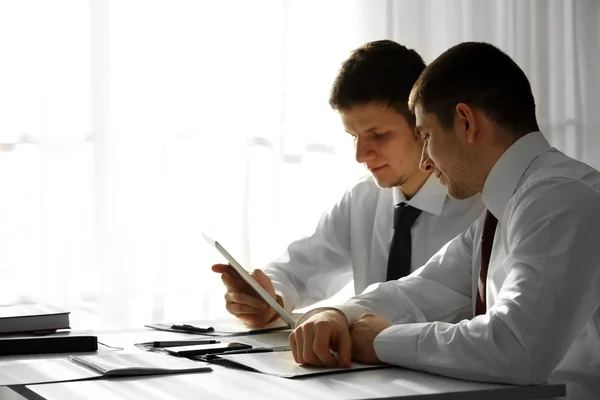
(250, 280)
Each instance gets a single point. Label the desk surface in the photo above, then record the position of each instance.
(229, 383)
(224, 383)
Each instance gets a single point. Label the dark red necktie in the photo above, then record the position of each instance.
(487, 241)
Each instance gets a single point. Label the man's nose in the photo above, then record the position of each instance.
(426, 164)
(364, 152)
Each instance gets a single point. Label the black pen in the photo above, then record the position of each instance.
(216, 356)
(192, 328)
(257, 350)
(174, 343)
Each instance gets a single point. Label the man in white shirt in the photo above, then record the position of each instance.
(528, 270)
(352, 239)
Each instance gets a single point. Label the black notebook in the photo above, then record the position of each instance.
(47, 344)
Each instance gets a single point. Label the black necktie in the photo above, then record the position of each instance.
(400, 250)
(487, 241)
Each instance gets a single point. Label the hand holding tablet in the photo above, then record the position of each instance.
(252, 283)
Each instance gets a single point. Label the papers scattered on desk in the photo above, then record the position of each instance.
(222, 326)
(96, 366)
(281, 363)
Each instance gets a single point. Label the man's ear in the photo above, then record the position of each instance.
(465, 122)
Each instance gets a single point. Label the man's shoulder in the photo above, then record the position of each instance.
(559, 182)
(557, 171)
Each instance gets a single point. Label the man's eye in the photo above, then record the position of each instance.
(380, 135)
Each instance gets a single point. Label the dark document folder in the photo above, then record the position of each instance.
(19, 345)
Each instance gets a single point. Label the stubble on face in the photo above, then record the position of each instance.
(459, 177)
(398, 181)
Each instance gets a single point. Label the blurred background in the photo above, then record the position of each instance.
(129, 127)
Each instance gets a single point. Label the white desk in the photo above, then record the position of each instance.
(227, 383)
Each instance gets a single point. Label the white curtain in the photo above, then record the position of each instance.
(129, 127)
(556, 43)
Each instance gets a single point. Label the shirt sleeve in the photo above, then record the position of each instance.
(551, 291)
(318, 266)
(440, 290)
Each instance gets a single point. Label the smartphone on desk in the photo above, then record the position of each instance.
(202, 349)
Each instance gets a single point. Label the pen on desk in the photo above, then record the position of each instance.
(175, 343)
(256, 350)
(192, 328)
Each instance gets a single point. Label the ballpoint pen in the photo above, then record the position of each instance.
(174, 343)
(260, 350)
(192, 328)
(211, 357)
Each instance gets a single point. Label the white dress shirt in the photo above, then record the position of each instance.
(352, 240)
(543, 284)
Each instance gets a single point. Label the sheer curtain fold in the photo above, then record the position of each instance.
(586, 53)
(129, 127)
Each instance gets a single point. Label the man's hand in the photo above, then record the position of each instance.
(363, 333)
(313, 340)
(242, 301)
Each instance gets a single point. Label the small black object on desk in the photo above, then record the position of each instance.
(192, 328)
(174, 343)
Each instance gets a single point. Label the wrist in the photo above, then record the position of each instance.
(333, 311)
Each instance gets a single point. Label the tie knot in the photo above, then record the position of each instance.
(405, 216)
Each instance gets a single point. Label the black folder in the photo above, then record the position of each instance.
(47, 344)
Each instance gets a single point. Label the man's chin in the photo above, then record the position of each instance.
(458, 193)
(387, 183)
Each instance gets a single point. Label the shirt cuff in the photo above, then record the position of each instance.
(353, 312)
(397, 344)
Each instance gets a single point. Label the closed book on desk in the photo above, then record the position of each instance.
(32, 318)
(11, 345)
(146, 363)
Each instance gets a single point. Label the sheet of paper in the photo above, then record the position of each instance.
(42, 371)
(281, 363)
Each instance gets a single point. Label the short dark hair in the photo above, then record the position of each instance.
(382, 71)
(481, 76)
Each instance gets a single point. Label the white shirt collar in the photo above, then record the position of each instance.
(430, 197)
(501, 183)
